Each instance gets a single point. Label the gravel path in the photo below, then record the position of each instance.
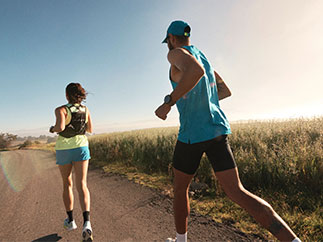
(32, 209)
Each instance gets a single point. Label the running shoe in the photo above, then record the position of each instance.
(87, 235)
(171, 240)
(69, 225)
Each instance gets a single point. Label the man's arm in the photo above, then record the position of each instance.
(191, 73)
(223, 90)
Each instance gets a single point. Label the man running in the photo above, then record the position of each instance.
(204, 128)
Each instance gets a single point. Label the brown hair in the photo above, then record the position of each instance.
(75, 93)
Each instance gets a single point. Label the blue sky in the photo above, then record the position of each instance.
(269, 53)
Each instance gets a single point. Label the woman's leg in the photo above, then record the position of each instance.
(68, 198)
(81, 168)
(255, 206)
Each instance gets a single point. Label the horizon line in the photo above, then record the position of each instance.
(124, 127)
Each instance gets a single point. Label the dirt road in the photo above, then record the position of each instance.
(31, 207)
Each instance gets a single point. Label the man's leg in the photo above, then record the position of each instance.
(186, 160)
(255, 206)
(181, 201)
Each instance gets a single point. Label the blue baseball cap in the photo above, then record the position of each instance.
(179, 28)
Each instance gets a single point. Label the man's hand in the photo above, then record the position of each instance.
(162, 111)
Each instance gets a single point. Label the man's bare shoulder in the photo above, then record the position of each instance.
(176, 54)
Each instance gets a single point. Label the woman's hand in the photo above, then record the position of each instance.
(51, 129)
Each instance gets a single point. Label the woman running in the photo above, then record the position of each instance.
(73, 120)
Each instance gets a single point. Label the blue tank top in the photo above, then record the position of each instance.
(201, 118)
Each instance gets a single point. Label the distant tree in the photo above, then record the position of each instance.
(26, 144)
(42, 137)
(6, 139)
(20, 138)
(51, 139)
(31, 138)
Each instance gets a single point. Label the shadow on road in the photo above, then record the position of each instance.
(51, 237)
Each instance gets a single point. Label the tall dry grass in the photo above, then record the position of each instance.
(282, 161)
(282, 157)
(150, 150)
(275, 156)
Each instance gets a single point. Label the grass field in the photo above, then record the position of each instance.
(281, 162)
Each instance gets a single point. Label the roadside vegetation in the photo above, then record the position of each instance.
(37, 145)
(13, 142)
(281, 162)
(6, 140)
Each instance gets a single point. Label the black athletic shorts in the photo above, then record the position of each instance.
(187, 157)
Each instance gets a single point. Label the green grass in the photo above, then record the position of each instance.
(279, 161)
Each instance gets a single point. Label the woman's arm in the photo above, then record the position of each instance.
(60, 113)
